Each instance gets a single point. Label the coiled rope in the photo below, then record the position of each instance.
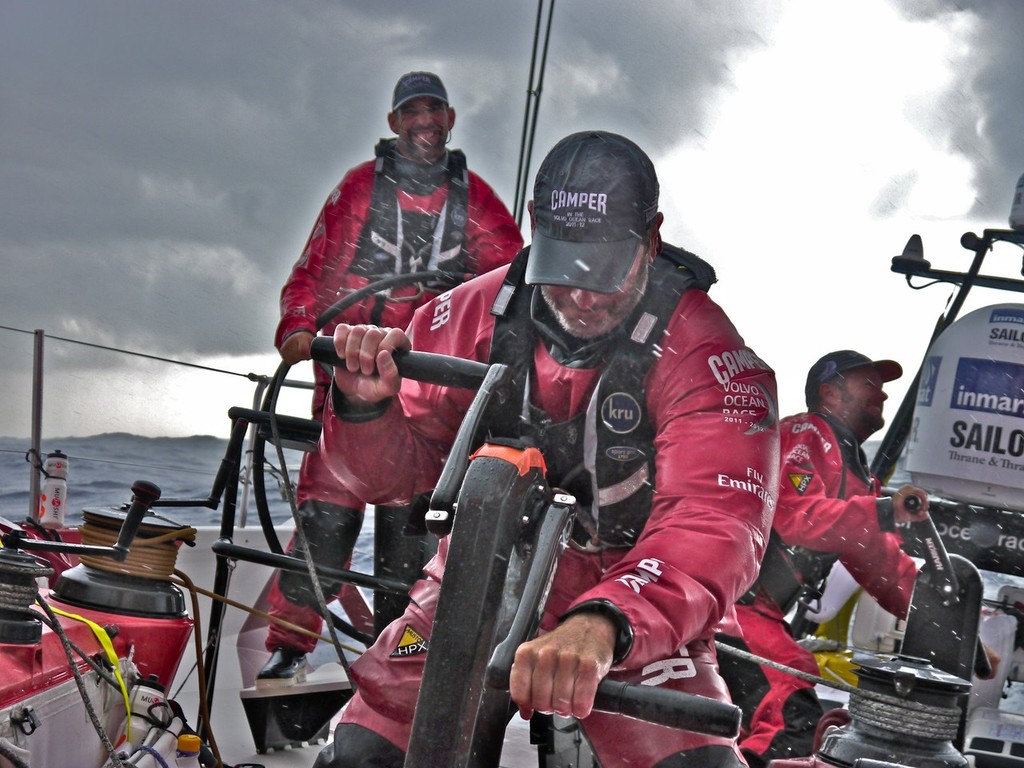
(887, 713)
(18, 587)
(155, 557)
(153, 553)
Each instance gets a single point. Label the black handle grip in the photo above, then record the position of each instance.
(937, 565)
(144, 494)
(982, 663)
(422, 366)
(674, 709)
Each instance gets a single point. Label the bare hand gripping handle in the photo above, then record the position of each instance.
(422, 366)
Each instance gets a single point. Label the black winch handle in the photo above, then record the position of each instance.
(675, 709)
(664, 706)
(423, 366)
(936, 559)
(445, 370)
(144, 493)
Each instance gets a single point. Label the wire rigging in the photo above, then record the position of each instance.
(533, 92)
(131, 352)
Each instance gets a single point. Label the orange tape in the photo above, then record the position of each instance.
(524, 459)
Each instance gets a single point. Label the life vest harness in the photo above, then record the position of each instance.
(792, 574)
(604, 456)
(395, 242)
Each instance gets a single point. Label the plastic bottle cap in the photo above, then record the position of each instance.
(189, 742)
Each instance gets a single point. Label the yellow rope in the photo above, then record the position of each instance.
(108, 649)
(153, 555)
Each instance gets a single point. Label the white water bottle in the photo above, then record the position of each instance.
(53, 495)
(162, 742)
(1017, 208)
(148, 705)
(188, 751)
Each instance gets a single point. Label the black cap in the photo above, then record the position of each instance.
(594, 199)
(834, 363)
(414, 84)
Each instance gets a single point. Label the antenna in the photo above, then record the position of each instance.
(533, 92)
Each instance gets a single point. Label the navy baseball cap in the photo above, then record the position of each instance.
(834, 363)
(415, 84)
(594, 199)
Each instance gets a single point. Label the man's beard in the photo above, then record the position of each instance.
(579, 329)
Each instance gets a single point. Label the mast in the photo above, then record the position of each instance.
(533, 92)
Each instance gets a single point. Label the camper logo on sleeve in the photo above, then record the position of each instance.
(743, 401)
(442, 310)
(734, 362)
(645, 571)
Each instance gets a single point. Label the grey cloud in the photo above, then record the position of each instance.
(163, 162)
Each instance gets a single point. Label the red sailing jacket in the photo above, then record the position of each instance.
(819, 510)
(321, 275)
(712, 402)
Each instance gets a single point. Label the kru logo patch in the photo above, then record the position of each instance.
(621, 413)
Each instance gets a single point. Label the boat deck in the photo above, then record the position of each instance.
(237, 747)
(242, 655)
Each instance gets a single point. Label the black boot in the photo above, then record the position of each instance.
(357, 747)
(286, 666)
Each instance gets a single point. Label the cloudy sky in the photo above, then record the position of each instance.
(161, 165)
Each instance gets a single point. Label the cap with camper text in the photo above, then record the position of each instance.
(595, 197)
(415, 84)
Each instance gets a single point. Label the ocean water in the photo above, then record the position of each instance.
(102, 468)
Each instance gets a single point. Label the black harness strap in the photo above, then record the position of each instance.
(426, 241)
(614, 443)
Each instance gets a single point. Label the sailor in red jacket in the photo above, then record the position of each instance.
(696, 505)
(416, 207)
(830, 508)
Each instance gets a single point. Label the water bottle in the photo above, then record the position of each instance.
(159, 747)
(188, 751)
(1017, 208)
(148, 705)
(53, 496)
